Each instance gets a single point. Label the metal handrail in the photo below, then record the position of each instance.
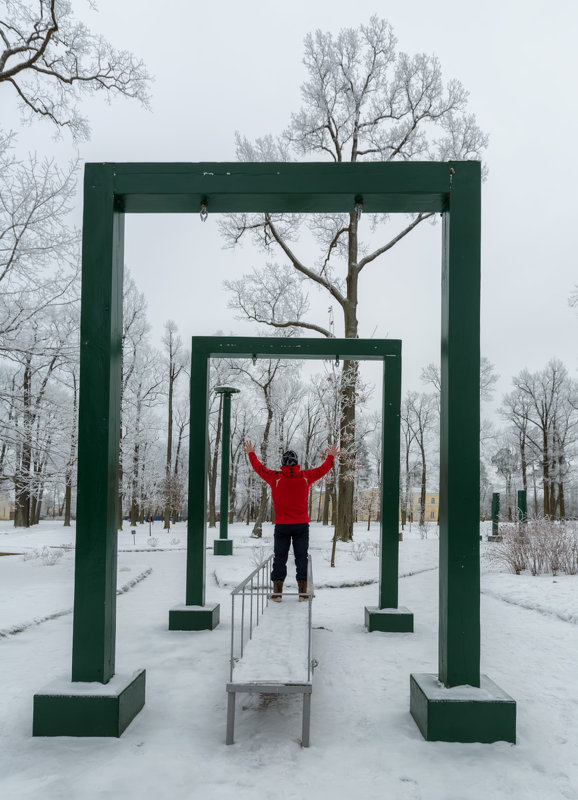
(256, 589)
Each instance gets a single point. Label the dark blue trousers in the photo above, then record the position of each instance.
(284, 535)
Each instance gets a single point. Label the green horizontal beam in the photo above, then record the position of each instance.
(277, 187)
(264, 347)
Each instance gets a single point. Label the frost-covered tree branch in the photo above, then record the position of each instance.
(272, 296)
(50, 60)
(38, 250)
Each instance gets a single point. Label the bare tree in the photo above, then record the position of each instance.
(506, 463)
(488, 377)
(406, 477)
(51, 60)
(421, 417)
(38, 250)
(175, 363)
(543, 407)
(263, 376)
(362, 101)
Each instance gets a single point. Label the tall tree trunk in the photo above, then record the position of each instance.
(257, 531)
(213, 469)
(22, 475)
(546, 473)
(168, 466)
(423, 488)
(562, 502)
(345, 481)
(72, 455)
(120, 495)
(329, 491)
(344, 521)
(38, 508)
(523, 464)
(233, 480)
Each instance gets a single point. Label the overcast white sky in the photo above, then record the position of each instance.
(226, 66)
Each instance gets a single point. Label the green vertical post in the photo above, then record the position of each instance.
(194, 615)
(459, 588)
(388, 616)
(226, 445)
(389, 561)
(223, 546)
(94, 624)
(197, 503)
(522, 506)
(495, 512)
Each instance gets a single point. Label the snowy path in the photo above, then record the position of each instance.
(364, 742)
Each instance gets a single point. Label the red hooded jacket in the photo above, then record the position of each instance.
(290, 488)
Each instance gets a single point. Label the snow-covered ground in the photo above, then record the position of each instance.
(364, 743)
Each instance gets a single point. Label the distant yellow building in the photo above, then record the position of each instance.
(367, 503)
(432, 504)
(6, 508)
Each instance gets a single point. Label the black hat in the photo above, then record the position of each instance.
(289, 459)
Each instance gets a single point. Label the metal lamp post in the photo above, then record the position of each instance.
(223, 546)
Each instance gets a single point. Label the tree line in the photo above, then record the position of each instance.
(363, 99)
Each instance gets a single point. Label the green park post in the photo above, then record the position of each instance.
(194, 615)
(522, 506)
(388, 615)
(104, 711)
(223, 546)
(495, 517)
(488, 714)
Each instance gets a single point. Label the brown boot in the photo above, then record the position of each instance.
(303, 593)
(277, 591)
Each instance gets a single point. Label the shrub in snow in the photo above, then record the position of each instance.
(259, 553)
(372, 547)
(153, 541)
(358, 550)
(174, 540)
(541, 546)
(47, 556)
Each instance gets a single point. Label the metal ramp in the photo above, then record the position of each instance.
(270, 644)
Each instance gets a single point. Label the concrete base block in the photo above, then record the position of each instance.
(462, 713)
(88, 709)
(223, 547)
(194, 618)
(392, 620)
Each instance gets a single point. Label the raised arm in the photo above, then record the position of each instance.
(317, 473)
(268, 475)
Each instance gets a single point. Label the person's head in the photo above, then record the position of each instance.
(289, 459)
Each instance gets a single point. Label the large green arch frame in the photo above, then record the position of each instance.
(112, 190)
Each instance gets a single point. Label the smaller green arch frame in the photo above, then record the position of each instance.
(195, 614)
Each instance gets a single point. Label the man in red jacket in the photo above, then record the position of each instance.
(290, 490)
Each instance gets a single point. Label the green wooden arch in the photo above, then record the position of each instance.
(112, 190)
(195, 614)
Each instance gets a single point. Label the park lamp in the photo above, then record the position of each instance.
(226, 390)
(223, 546)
